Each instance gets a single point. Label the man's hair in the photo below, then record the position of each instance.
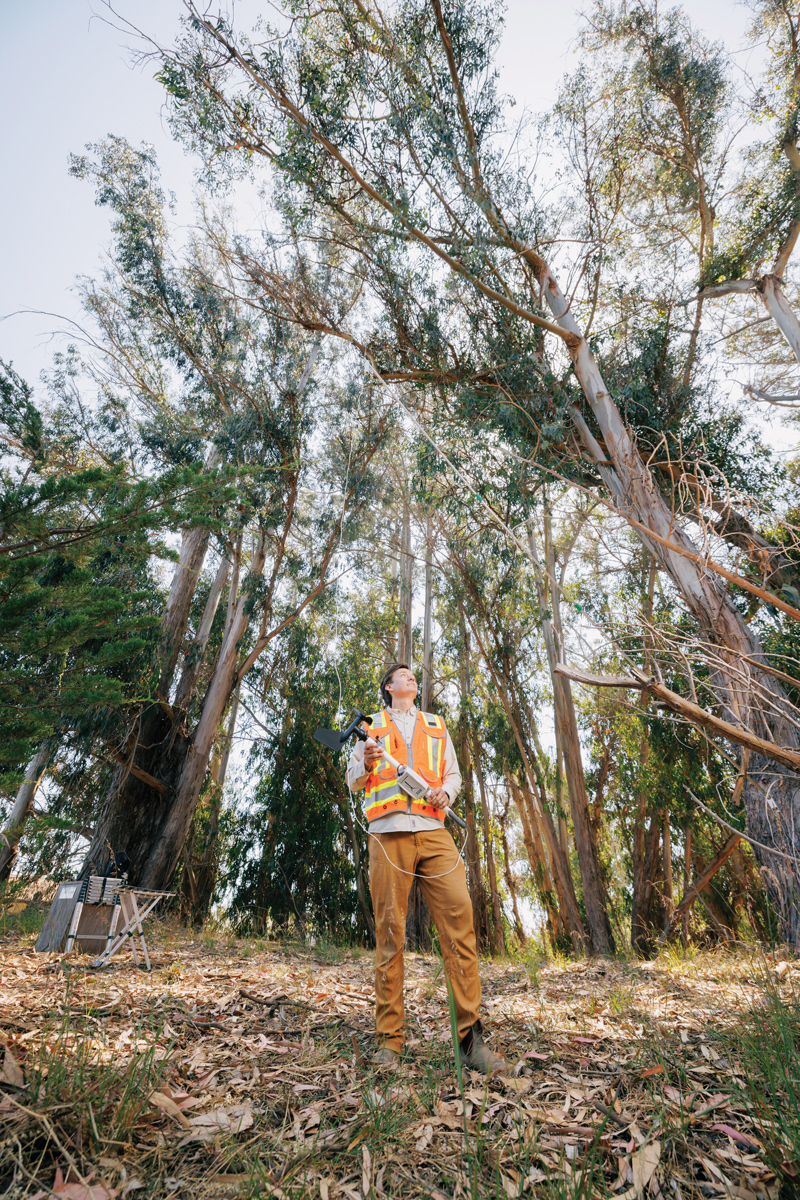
(387, 678)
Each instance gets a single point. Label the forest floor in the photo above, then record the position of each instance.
(240, 1068)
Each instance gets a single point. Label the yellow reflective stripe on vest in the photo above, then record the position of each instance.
(383, 796)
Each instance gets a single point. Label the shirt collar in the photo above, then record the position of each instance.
(399, 712)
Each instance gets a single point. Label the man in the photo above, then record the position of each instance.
(408, 837)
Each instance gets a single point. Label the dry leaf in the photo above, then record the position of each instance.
(643, 1163)
(366, 1170)
(741, 1138)
(11, 1072)
(168, 1105)
(76, 1191)
(207, 1126)
(424, 1137)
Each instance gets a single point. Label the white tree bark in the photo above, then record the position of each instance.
(194, 544)
(23, 806)
(781, 311)
(194, 657)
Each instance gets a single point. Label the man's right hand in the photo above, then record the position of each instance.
(372, 755)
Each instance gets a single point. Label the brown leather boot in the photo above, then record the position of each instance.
(384, 1056)
(476, 1055)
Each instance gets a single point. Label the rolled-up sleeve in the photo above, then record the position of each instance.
(357, 774)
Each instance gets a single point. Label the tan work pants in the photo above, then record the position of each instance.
(429, 853)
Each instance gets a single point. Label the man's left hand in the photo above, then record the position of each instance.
(438, 797)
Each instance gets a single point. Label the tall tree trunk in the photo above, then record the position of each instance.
(641, 878)
(512, 889)
(194, 656)
(569, 741)
(563, 833)
(405, 627)
(667, 902)
(418, 917)
(546, 886)
(22, 808)
(194, 544)
(474, 879)
(427, 640)
(205, 873)
(164, 854)
(687, 874)
(642, 927)
(498, 942)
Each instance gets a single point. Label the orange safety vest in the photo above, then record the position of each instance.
(383, 796)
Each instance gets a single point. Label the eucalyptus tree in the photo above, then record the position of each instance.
(199, 374)
(388, 129)
(80, 529)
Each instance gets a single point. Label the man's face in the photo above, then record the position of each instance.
(402, 685)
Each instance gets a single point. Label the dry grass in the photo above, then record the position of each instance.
(624, 1079)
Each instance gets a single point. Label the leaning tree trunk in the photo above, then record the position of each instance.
(644, 883)
(750, 697)
(195, 653)
(151, 758)
(22, 808)
(165, 851)
(204, 863)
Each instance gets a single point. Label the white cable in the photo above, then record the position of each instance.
(414, 874)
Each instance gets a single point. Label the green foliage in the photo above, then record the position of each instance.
(76, 603)
(293, 858)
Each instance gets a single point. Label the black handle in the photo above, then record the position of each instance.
(455, 817)
(353, 727)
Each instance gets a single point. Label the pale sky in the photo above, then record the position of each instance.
(66, 79)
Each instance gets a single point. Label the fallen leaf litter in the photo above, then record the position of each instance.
(258, 1059)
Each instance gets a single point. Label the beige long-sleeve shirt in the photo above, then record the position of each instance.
(407, 822)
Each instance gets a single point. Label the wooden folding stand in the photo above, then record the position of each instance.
(128, 900)
(88, 924)
(91, 920)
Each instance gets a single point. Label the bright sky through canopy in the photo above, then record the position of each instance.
(66, 79)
